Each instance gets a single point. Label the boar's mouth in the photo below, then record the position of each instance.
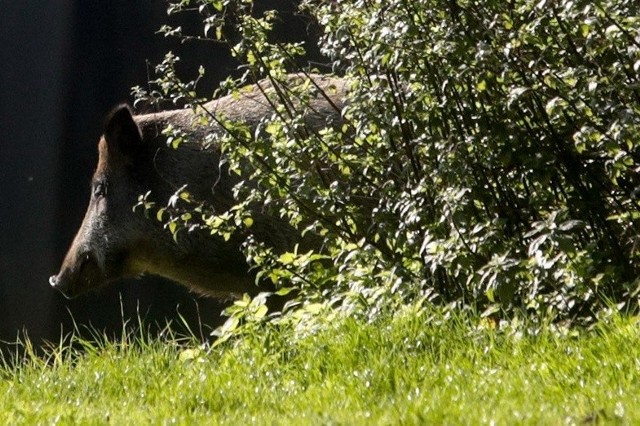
(79, 277)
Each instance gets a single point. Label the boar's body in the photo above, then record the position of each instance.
(114, 242)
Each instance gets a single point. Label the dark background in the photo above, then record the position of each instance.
(63, 66)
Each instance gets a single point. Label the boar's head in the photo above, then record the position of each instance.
(115, 242)
(101, 250)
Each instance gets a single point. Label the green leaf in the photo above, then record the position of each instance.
(194, 354)
(284, 291)
(492, 309)
(553, 105)
(287, 258)
(244, 302)
(229, 326)
(585, 29)
(261, 312)
(273, 128)
(175, 142)
(490, 293)
(515, 94)
(251, 58)
(314, 308)
(506, 21)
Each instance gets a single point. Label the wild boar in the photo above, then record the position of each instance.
(114, 241)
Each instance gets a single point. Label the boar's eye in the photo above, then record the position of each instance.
(100, 188)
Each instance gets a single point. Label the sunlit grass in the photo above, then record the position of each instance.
(414, 368)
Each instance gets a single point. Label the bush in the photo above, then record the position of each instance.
(488, 155)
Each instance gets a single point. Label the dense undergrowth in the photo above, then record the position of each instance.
(487, 158)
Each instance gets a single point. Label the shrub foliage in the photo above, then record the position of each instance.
(488, 155)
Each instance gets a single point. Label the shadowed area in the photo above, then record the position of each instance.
(64, 65)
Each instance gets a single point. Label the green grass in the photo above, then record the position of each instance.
(414, 369)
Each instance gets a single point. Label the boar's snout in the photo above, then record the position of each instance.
(55, 283)
(62, 286)
(78, 274)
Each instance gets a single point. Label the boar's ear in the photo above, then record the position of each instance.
(122, 133)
